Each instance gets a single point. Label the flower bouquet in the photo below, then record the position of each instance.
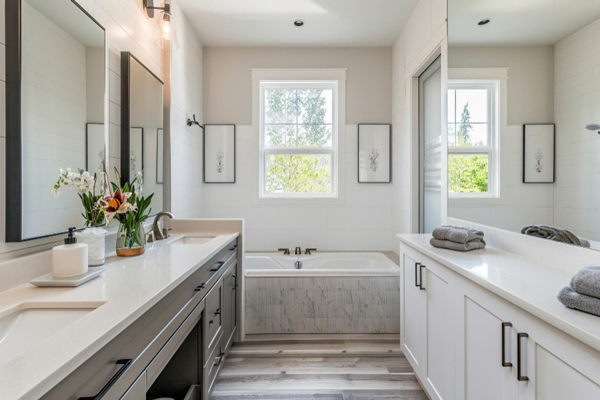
(131, 209)
(85, 186)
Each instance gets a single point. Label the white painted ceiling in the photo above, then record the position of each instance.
(271, 22)
(517, 22)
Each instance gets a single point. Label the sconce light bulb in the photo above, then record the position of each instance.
(167, 27)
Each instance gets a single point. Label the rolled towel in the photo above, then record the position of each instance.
(581, 302)
(554, 233)
(447, 244)
(587, 281)
(456, 234)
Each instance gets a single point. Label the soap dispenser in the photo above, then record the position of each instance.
(71, 258)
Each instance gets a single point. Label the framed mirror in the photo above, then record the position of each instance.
(55, 91)
(142, 128)
(523, 154)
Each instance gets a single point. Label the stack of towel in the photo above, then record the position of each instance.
(457, 238)
(584, 292)
(556, 234)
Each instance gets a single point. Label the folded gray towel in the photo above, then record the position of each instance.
(581, 302)
(587, 281)
(447, 244)
(554, 233)
(457, 234)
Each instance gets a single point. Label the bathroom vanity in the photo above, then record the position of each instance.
(157, 325)
(487, 325)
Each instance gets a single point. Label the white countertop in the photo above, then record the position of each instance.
(525, 283)
(129, 286)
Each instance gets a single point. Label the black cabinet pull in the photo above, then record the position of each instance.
(219, 359)
(504, 363)
(218, 312)
(421, 266)
(126, 363)
(417, 265)
(199, 288)
(221, 263)
(233, 248)
(520, 377)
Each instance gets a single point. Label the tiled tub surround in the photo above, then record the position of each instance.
(320, 299)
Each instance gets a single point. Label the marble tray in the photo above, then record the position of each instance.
(49, 281)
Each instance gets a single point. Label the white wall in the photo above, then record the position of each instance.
(576, 104)
(228, 84)
(186, 142)
(364, 221)
(529, 99)
(423, 33)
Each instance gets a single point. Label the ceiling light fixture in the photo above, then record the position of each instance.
(484, 22)
(166, 9)
(298, 22)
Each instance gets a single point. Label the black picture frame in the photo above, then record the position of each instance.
(204, 155)
(390, 153)
(14, 146)
(160, 138)
(525, 144)
(126, 58)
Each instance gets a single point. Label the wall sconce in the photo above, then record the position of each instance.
(149, 8)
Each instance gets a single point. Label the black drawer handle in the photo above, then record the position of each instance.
(234, 247)
(199, 288)
(221, 263)
(504, 363)
(126, 363)
(417, 265)
(520, 377)
(218, 312)
(421, 266)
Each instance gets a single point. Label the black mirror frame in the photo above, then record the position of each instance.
(126, 57)
(14, 160)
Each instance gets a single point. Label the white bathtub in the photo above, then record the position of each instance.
(320, 264)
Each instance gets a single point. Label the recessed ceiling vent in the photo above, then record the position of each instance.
(298, 22)
(484, 22)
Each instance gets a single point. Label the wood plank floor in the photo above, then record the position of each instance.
(318, 367)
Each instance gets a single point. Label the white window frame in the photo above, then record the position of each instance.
(299, 74)
(331, 151)
(492, 149)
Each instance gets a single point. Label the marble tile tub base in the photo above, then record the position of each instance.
(352, 304)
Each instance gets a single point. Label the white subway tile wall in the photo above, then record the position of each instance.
(323, 305)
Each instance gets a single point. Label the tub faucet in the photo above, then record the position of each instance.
(285, 251)
(298, 251)
(309, 251)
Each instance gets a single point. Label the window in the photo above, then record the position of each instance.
(298, 139)
(472, 138)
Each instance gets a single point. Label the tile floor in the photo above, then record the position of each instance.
(323, 367)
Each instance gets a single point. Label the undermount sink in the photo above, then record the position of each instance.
(194, 240)
(27, 324)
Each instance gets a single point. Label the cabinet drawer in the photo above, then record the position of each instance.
(212, 368)
(212, 321)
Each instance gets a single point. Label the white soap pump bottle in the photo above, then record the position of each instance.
(71, 258)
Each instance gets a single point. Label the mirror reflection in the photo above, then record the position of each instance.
(522, 87)
(62, 97)
(142, 134)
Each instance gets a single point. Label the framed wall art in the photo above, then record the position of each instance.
(219, 153)
(374, 153)
(538, 153)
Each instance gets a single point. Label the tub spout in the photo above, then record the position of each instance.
(298, 251)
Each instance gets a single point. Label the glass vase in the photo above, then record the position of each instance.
(131, 241)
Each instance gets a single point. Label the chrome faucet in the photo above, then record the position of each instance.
(298, 251)
(158, 234)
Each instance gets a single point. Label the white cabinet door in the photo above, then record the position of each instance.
(555, 366)
(481, 370)
(137, 391)
(411, 308)
(439, 358)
